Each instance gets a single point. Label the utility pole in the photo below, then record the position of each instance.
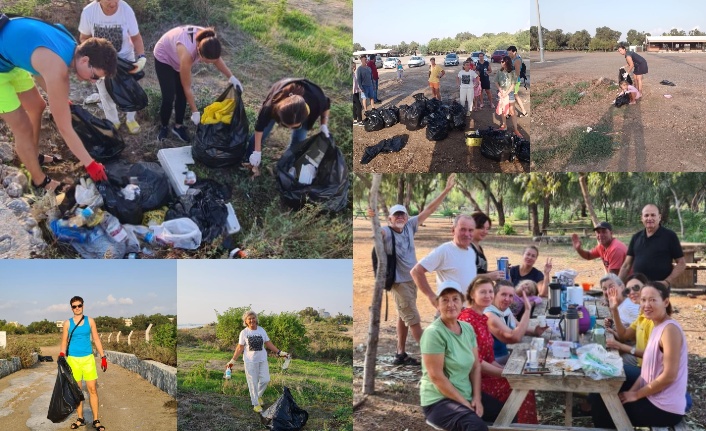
(539, 32)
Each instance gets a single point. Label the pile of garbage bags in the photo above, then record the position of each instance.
(438, 117)
(499, 145)
(99, 136)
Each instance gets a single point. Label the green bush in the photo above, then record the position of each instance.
(507, 229)
(228, 326)
(151, 351)
(286, 331)
(165, 335)
(520, 213)
(21, 348)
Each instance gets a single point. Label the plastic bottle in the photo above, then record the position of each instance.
(64, 231)
(228, 374)
(285, 365)
(92, 218)
(113, 228)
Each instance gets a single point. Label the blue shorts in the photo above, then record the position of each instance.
(367, 91)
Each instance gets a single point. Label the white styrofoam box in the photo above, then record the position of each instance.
(232, 221)
(174, 161)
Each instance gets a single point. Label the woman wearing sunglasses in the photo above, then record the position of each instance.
(33, 50)
(293, 103)
(174, 55)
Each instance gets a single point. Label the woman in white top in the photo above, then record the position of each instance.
(619, 303)
(251, 344)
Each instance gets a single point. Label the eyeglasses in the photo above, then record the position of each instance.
(635, 287)
(94, 77)
(77, 306)
(399, 214)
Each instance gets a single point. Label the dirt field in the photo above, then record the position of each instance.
(656, 134)
(420, 154)
(397, 396)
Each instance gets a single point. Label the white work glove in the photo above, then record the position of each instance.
(625, 75)
(230, 363)
(233, 80)
(255, 158)
(196, 118)
(282, 353)
(324, 130)
(139, 64)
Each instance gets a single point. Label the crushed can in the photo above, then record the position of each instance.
(504, 265)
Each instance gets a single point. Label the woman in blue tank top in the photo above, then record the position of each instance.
(76, 342)
(31, 48)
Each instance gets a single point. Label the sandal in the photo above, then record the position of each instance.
(78, 424)
(502, 128)
(46, 182)
(405, 359)
(55, 159)
(99, 427)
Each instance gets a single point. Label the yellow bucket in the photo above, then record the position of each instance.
(473, 139)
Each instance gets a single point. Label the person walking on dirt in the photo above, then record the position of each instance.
(364, 75)
(357, 107)
(49, 52)
(251, 344)
(294, 103)
(465, 79)
(436, 72)
(400, 70)
(636, 64)
(76, 342)
(376, 78)
(115, 21)
(484, 70)
(517, 65)
(174, 55)
(402, 229)
(505, 82)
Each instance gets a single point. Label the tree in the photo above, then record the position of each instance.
(358, 47)
(580, 40)
(374, 326)
(606, 33)
(587, 198)
(309, 312)
(675, 32)
(165, 335)
(413, 46)
(43, 327)
(403, 48)
(695, 32)
(636, 38)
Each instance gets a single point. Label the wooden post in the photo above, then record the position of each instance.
(117, 337)
(128, 337)
(147, 333)
(374, 328)
(110, 335)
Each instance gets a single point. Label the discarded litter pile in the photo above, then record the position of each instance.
(498, 145)
(394, 144)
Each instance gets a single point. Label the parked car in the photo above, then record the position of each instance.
(498, 55)
(378, 62)
(390, 63)
(415, 61)
(475, 55)
(451, 60)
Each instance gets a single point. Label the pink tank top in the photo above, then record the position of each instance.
(672, 398)
(166, 48)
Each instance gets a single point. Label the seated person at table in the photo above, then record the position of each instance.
(630, 339)
(627, 310)
(657, 397)
(529, 287)
(527, 271)
(480, 295)
(503, 325)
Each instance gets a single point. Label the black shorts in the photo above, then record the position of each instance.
(641, 69)
(485, 84)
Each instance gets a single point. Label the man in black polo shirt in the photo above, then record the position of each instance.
(652, 250)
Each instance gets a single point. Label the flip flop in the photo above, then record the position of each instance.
(55, 159)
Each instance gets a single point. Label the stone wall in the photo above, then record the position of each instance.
(12, 365)
(160, 375)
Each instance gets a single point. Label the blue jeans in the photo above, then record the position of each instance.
(375, 89)
(298, 135)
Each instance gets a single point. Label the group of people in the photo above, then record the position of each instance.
(33, 50)
(465, 349)
(638, 65)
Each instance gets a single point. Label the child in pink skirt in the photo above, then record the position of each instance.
(476, 89)
(632, 91)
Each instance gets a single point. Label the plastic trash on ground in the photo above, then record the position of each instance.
(285, 414)
(98, 135)
(178, 233)
(87, 195)
(124, 88)
(174, 161)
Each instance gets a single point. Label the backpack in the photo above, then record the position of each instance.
(391, 271)
(523, 73)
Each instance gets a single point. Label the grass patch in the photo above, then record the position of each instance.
(577, 146)
(539, 98)
(570, 97)
(582, 85)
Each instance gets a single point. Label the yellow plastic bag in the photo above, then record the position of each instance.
(219, 112)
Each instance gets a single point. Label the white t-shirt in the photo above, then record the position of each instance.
(254, 342)
(467, 78)
(451, 263)
(117, 28)
(628, 312)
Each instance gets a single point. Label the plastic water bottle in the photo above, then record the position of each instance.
(92, 218)
(113, 228)
(228, 374)
(64, 231)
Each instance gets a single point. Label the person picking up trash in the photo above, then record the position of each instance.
(31, 49)
(251, 344)
(174, 55)
(628, 89)
(294, 103)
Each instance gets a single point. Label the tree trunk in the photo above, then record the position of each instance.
(374, 328)
(499, 207)
(380, 199)
(487, 205)
(583, 210)
(664, 212)
(545, 218)
(677, 204)
(497, 203)
(400, 190)
(587, 198)
(469, 196)
(408, 192)
(534, 216)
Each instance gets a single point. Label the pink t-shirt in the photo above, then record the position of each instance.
(672, 398)
(613, 256)
(166, 48)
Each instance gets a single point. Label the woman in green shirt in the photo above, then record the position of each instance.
(505, 82)
(450, 399)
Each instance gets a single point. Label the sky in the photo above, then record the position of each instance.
(649, 16)
(393, 21)
(272, 286)
(33, 290)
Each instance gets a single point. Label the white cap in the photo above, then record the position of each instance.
(398, 208)
(448, 284)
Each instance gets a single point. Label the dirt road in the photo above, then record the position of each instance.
(420, 154)
(657, 134)
(127, 401)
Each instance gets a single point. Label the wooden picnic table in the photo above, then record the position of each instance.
(558, 380)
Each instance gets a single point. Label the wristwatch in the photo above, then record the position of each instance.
(632, 351)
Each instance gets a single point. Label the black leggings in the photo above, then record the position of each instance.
(170, 85)
(452, 416)
(357, 107)
(642, 413)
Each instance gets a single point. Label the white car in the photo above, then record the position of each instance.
(451, 60)
(416, 62)
(390, 63)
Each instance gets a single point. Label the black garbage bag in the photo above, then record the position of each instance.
(374, 120)
(520, 149)
(155, 190)
(220, 145)
(621, 71)
(420, 97)
(124, 88)
(127, 211)
(205, 204)
(331, 183)
(99, 136)
(402, 110)
(457, 116)
(414, 116)
(433, 104)
(392, 145)
(622, 99)
(390, 116)
(494, 144)
(66, 395)
(437, 129)
(285, 414)
(665, 82)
